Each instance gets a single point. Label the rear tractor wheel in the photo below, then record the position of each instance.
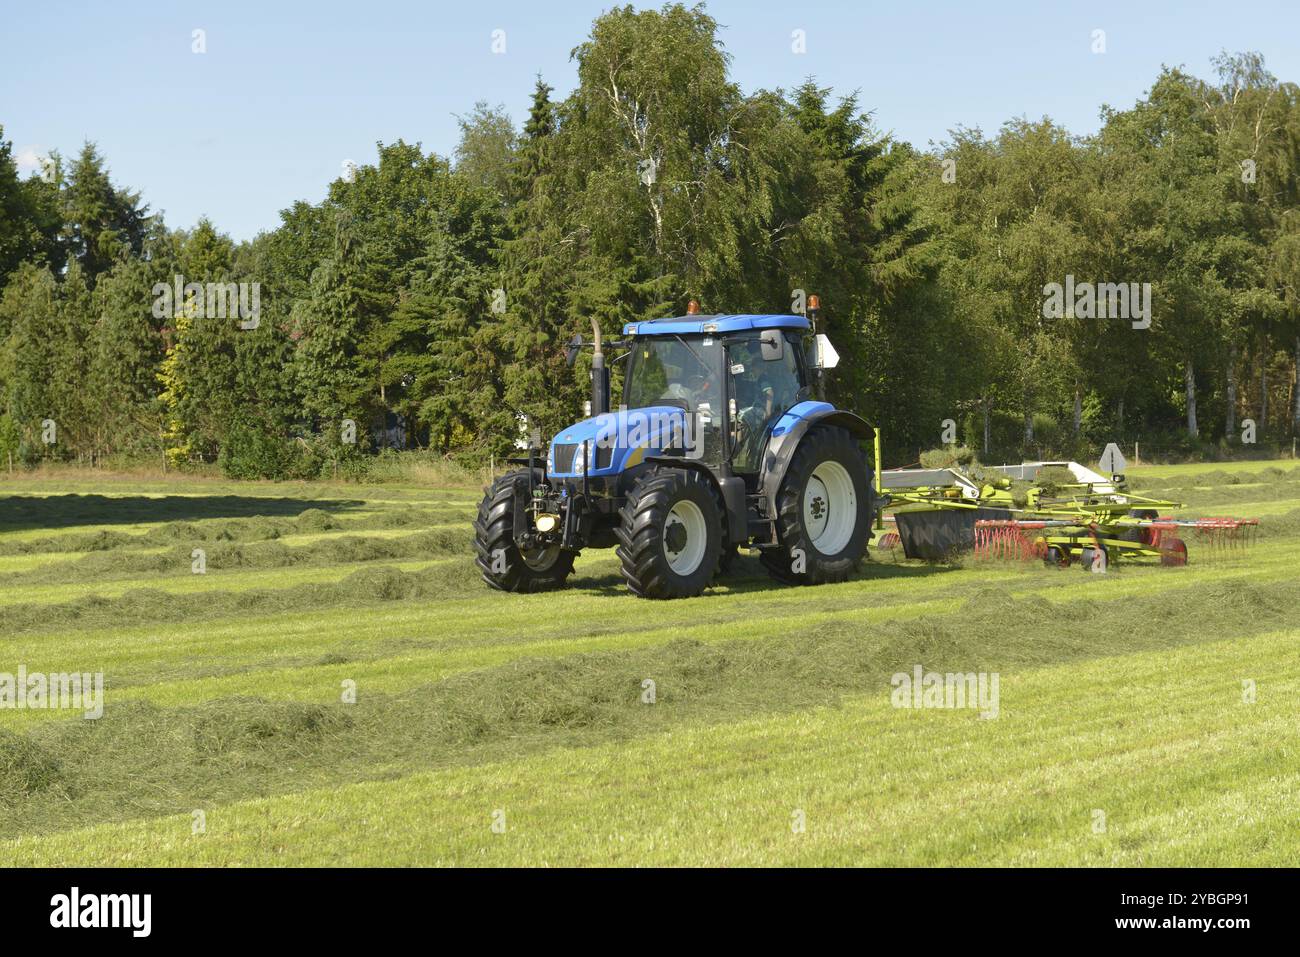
(670, 534)
(823, 511)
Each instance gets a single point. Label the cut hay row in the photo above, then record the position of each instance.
(313, 521)
(229, 593)
(1187, 470)
(167, 565)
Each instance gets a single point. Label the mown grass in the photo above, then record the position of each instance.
(1162, 745)
(223, 693)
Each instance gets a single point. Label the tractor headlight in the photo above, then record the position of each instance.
(579, 459)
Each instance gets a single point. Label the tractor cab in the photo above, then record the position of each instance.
(732, 375)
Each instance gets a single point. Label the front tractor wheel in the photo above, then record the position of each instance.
(823, 511)
(502, 562)
(669, 534)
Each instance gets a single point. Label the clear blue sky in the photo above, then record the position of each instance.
(287, 92)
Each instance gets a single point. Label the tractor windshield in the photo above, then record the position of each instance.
(682, 371)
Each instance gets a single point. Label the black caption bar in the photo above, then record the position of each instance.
(136, 907)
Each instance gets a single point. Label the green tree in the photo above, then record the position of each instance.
(199, 370)
(29, 317)
(102, 222)
(485, 154)
(29, 216)
(332, 381)
(126, 351)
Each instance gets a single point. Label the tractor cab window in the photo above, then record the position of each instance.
(762, 389)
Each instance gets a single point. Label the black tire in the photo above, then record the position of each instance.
(1089, 555)
(1056, 557)
(821, 445)
(498, 558)
(727, 558)
(1140, 535)
(655, 534)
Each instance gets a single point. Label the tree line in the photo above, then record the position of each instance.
(1028, 291)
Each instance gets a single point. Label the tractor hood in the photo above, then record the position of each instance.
(618, 440)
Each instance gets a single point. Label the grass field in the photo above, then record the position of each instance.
(513, 730)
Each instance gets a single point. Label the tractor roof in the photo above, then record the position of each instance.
(682, 325)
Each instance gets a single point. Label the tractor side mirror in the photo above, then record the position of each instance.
(571, 351)
(772, 344)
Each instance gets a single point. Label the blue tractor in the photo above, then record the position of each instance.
(720, 442)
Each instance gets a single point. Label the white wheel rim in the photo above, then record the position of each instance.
(830, 508)
(687, 517)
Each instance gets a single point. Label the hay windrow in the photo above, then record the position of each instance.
(1219, 480)
(257, 529)
(264, 727)
(26, 768)
(453, 579)
(227, 555)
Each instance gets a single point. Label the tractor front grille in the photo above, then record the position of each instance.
(564, 458)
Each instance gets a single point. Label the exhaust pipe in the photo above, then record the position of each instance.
(599, 374)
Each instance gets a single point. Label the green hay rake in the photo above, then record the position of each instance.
(1057, 512)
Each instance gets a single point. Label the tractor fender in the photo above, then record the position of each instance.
(790, 429)
(731, 489)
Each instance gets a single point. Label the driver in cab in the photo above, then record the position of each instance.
(756, 409)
